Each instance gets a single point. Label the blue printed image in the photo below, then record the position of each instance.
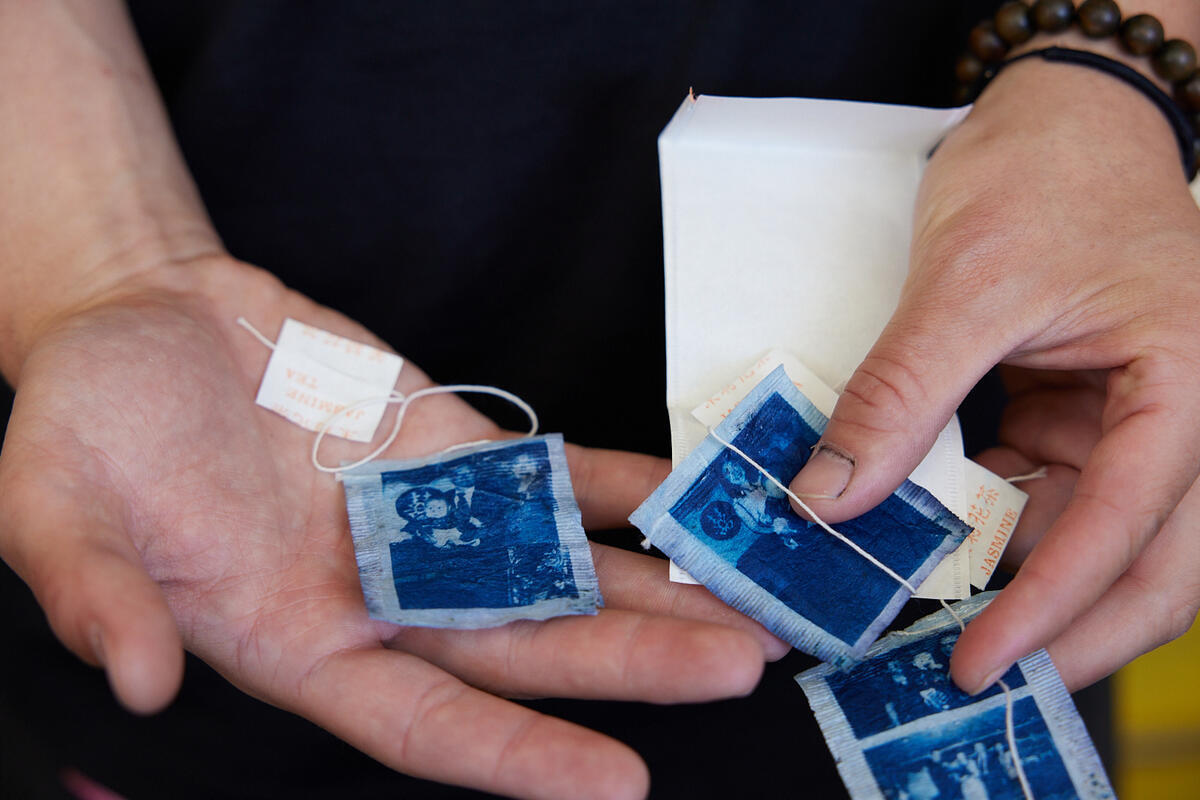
(968, 756)
(478, 532)
(747, 521)
(905, 684)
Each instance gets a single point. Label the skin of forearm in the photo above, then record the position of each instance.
(94, 191)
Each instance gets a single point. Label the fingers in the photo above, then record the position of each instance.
(610, 484)
(1054, 425)
(615, 655)
(1134, 477)
(97, 595)
(417, 719)
(1053, 421)
(1048, 497)
(892, 409)
(639, 583)
(1154, 602)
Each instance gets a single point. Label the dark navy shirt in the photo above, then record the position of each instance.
(477, 182)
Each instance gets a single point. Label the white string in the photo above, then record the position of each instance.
(245, 323)
(1010, 729)
(405, 401)
(1011, 733)
(824, 525)
(1040, 472)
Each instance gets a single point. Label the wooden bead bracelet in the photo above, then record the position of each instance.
(1173, 60)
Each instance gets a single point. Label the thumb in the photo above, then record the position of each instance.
(892, 409)
(98, 598)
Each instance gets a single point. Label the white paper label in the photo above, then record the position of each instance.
(941, 473)
(313, 374)
(949, 580)
(993, 507)
(716, 408)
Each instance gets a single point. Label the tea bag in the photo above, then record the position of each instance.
(472, 538)
(733, 529)
(898, 726)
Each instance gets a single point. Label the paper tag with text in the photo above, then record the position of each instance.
(718, 406)
(993, 507)
(950, 579)
(314, 374)
(941, 473)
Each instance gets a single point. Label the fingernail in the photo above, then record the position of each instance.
(989, 680)
(826, 474)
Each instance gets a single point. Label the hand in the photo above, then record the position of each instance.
(150, 504)
(1055, 419)
(1052, 232)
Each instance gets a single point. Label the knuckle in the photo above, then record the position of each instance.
(1140, 519)
(58, 591)
(1167, 615)
(968, 246)
(887, 392)
(432, 709)
(1180, 616)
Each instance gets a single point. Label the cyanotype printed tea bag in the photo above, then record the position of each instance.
(733, 529)
(898, 726)
(473, 538)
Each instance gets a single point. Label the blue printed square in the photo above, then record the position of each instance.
(906, 683)
(899, 728)
(732, 529)
(473, 538)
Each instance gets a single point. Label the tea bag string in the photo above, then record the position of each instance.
(1040, 472)
(1010, 729)
(405, 401)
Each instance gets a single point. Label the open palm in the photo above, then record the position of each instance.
(149, 503)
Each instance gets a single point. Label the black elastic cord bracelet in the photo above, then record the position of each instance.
(1085, 58)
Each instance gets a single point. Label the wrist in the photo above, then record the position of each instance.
(1109, 47)
(1080, 117)
(1131, 46)
(191, 275)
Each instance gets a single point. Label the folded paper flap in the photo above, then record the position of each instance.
(798, 122)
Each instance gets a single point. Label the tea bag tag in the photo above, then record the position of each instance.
(993, 508)
(717, 407)
(313, 375)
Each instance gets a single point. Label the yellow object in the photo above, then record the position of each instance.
(1156, 718)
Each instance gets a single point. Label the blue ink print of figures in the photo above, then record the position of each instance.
(900, 729)
(911, 682)
(733, 529)
(492, 528)
(478, 533)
